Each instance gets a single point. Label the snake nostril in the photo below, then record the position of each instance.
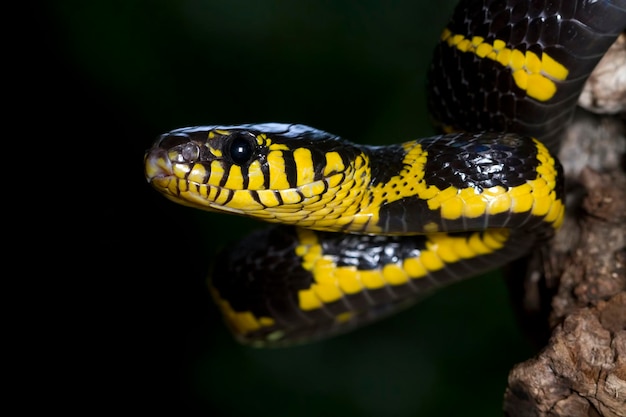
(190, 152)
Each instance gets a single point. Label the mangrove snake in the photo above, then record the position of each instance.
(367, 229)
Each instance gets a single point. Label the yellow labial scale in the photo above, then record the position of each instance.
(242, 200)
(305, 172)
(212, 193)
(347, 278)
(327, 293)
(234, 179)
(180, 170)
(256, 178)
(394, 275)
(477, 245)
(372, 279)
(197, 173)
(278, 179)
(456, 39)
(290, 196)
(182, 185)
(445, 34)
(221, 198)
(431, 261)
(334, 163)
(414, 268)
(268, 198)
(314, 188)
(204, 193)
(217, 173)
(307, 300)
(431, 227)
(540, 87)
(194, 199)
(172, 186)
(221, 132)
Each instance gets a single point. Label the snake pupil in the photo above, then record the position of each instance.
(240, 149)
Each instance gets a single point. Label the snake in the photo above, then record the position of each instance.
(361, 231)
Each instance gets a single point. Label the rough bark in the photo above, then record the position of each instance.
(581, 279)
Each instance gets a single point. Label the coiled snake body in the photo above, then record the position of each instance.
(364, 230)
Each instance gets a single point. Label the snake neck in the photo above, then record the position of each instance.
(451, 183)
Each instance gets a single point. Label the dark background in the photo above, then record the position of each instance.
(112, 75)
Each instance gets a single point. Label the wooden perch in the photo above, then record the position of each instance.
(581, 278)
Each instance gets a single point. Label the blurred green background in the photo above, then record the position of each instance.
(118, 73)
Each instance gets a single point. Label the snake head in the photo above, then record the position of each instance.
(263, 170)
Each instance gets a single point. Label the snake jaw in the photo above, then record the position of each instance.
(157, 165)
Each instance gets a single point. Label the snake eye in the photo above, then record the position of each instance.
(241, 148)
